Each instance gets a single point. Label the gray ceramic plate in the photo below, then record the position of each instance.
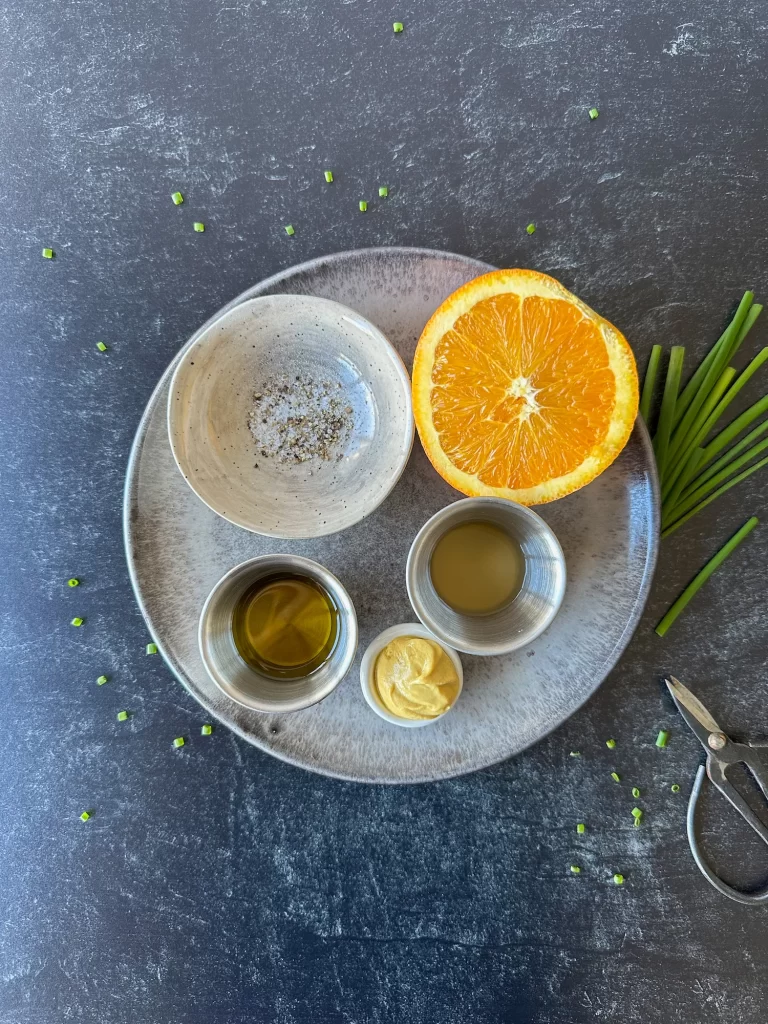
(178, 548)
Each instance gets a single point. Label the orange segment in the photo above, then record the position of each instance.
(520, 390)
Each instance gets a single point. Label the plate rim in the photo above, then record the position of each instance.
(131, 478)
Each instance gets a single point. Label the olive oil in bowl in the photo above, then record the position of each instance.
(285, 626)
(477, 568)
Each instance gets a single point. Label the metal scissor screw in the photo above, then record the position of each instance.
(717, 740)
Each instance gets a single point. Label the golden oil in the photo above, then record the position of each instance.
(285, 626)
(477, 568)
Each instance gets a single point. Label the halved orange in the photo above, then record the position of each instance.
(520, 390)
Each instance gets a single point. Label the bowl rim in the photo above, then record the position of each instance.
(313, 569)
(375, 647)
(483, 650)
(287, 299)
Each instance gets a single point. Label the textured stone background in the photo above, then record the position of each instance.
(217, 884)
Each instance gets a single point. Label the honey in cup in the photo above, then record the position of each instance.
(477, 568)
(285, 626)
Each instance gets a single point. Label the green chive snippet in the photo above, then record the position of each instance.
(575, 753)
(581, 828)
(74, 582)
(594, 114)
(77, 621)
(289, 229)
(177, 198)
(615, 776)
(662, 739)
(575, 869)
(397, 26)
(531, 228)
(635, 792)
(48, 253)
(84, 816)
(611, 744)
(122, 716)
(618, 879)
(675, 788)
(151, 648)
(101, 680)
(206, 730)
(362, 205)
(198, 225)
(637, 812)
(328, 176)
(179, 741)
(101, 346)
(383, 191)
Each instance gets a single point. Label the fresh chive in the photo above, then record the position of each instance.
(615, 776)
(681, 447)
(662, 738)
(531, 228)
(179, 741)
(101, 680)
(713, 497)
(575, 869)
(206, 730)
(731, 454)
(77, 621)
(719, 441)
(637, 812)
(695, 496)
(635, 792)
(198, 225)
(611, 744)
(618, 879)
(722, 344)
(328, 176)
(397, 26)
(649, 384)
(581, 828)
(48, 253)
(122, 716)
(177, 198)
(594, 114)
(151, 648)
(101, 346)
(74, 582)
(669, 505)
(701, 578)
(362, 206)
(85, 816)
(289, 229)
(667, 413)
(383, 191)
(675, 788)
(638, 820)
(575, 753)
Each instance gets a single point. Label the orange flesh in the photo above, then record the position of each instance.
(522, 390)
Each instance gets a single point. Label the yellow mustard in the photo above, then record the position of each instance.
(414, 678)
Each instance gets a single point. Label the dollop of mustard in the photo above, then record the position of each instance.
(414, 678)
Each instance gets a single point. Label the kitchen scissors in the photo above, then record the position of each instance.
(722, 753)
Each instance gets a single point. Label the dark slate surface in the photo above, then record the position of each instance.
(216, 884)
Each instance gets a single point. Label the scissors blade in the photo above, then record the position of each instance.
(696, 716)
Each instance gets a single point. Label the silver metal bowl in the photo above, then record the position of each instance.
(244, 684)
(530, 611)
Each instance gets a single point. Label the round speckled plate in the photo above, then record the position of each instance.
(178, 548)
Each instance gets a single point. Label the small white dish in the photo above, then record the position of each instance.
(367, 665)
(266, 343)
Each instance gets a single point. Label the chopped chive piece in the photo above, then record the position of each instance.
(636, 812)
(151, 648)
(575, 869)
(581, 828)
(610, 744)
(101, 346)
(662, 739)
(206, 730)
(198, 225)
(362, 205)
(48, 253)
(635, 792)
(74, 582)
(701, 578)
(615, 776)
(531, 228)
(77, 621)
(101, 680)
(383, 191)
(328, 176)
(289, 230)
(594, 114)
(397, 26)
(575, 753)
(618, 879)
(179, 741)
(667, 413)
(675, 788)
(122, 716)
(649, 384)
(85, 816)
(177, 198)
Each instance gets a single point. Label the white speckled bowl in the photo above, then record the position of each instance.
(367, 665)
(212, 396)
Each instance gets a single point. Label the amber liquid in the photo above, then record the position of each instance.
(477, 568)
(285, 626)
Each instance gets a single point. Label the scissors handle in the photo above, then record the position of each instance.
(756, 759)
(749, 899)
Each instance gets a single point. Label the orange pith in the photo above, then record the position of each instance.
(520, 390)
